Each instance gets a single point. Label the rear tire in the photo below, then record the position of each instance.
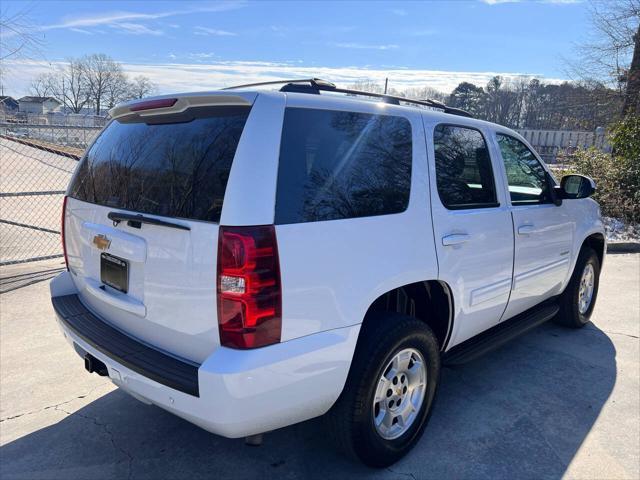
(579, 298)
(394, 354)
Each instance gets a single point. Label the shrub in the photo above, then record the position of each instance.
(617, 174)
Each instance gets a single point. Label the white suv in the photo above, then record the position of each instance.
(250, 259)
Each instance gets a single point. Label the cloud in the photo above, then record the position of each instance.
(401, 12)
(120, 16)
(105, 18)
(135, 29)
(206, 31)
(80, 30)
(362, 46)
(497, 2)
(174, 77)
(201, 56)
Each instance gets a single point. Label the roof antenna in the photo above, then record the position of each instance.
(386, 83)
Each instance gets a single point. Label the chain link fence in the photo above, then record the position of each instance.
(36, 164)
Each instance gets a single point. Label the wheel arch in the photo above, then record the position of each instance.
(593, 239)
(430, 301)
(598, 243)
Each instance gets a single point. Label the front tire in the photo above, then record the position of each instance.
(579, 298)
(385, 405)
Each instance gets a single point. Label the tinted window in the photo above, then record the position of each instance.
(342, 165)
(463, 168)
(174, 166)
(526, 176)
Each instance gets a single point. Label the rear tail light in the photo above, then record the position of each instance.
(249, 290)
(64, 245)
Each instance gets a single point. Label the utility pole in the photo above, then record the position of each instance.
(64, 96)
(386, 83)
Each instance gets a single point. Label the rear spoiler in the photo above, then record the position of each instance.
(179, 103)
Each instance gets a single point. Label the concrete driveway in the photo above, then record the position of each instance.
(553, 403)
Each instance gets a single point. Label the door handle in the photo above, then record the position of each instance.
(455, 239)
(526, 229)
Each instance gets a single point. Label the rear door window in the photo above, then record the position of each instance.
(463, 168)
(170, 165)
(336, 165)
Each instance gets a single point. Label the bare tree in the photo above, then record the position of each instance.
(141, 87)
(18, 39)
(422, 93)
(367, 86)
(611, 54)
(417, 93)
(501, 102)
(103, 75)
(529, 103)
(96, 80)
(117, 89)
(42, 85)
(70, 86)
(67, 83)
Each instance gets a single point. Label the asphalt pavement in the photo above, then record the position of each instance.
(555, 403)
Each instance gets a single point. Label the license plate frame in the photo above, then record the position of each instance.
(114, 272)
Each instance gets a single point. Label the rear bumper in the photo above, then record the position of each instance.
(126, 351)
(233, 393)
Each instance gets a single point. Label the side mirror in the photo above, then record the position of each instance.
(577, 186)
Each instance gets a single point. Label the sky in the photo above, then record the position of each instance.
(204, 45)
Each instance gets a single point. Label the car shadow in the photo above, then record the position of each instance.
(521, 411)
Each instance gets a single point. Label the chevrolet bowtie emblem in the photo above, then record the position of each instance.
(101, 241)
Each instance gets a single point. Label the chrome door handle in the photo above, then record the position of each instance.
(455, 239)
(526, 229)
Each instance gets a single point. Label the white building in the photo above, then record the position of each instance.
(39, 105)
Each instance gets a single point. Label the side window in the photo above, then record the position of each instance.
(336, 164)
(463, 168)
(527, 178)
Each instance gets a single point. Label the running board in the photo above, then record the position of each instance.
(500, 334)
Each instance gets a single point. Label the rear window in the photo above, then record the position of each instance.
(174, 166)
(336, 165)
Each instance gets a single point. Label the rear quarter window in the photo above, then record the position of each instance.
(170, 165)
(336, 165)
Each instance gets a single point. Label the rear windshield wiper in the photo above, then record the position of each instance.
(137, 220)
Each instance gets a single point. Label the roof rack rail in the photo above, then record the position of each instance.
(312, 81)
(316, 85)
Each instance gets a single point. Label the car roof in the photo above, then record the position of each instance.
(429, 114)
(321, 100)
